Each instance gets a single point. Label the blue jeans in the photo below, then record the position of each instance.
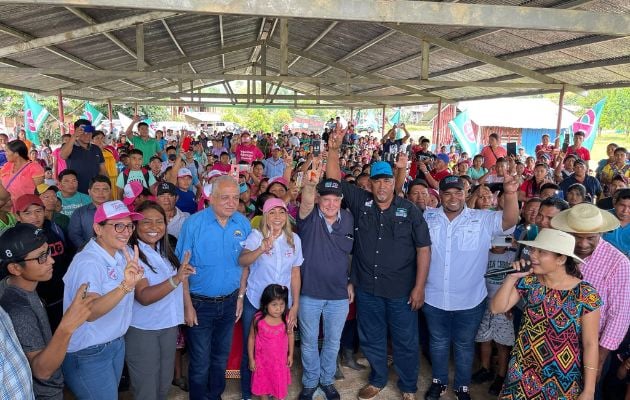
(94, 372)
(319, 368)
(209, 347)
(458, 328)
(246, 375)
(376, 315)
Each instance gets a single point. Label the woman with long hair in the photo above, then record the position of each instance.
(94, 362)
(531, 187)
(20, 175)
(271, 254)
(158, 308)
(556, 350)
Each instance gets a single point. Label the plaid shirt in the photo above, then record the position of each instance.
(16, 381)
(608, 270)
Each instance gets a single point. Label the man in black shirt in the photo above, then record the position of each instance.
(389, 269)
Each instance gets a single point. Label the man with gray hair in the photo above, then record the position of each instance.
(213, 237)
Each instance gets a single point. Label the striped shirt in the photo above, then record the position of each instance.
(608, 270)
(16, 381)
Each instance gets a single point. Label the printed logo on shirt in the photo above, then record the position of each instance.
(111, 273)
(401, 212)
(288, 254)
(369, 203)
(238, 234)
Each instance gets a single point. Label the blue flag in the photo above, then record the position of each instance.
(34, 116)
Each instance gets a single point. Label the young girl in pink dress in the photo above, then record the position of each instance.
(270, 345)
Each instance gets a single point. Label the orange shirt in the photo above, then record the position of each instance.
(23, 182)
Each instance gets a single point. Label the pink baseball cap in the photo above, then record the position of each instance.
(279, 179)
(214, 173)
(272, 203)
(131, 191)
(114, 210)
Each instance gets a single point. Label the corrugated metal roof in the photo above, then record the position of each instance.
(396, 56)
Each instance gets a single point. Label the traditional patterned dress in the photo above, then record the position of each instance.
(546, 362)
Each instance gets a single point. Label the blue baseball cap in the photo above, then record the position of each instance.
(443, 157)
(381, 169)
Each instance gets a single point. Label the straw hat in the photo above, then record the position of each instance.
(585, 218)
(555, 241)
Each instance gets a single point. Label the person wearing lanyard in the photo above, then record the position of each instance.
(213, 236)
(93, 365)
(158, 307)
(390, 264)
(455, 289)
(272, 254)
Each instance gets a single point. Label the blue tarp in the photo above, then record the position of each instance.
(531, 137)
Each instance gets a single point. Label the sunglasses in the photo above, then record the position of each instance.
(41, 259)
(120, 227)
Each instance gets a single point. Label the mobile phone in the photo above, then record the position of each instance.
(243, 167)
(234, 171)
(85, 291)
(312, 175)
(317, 147)
(299, 179)
(528, 261)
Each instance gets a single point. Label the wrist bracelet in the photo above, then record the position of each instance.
(241, 295)
(172, 282)
(125, 288)
(591, 368)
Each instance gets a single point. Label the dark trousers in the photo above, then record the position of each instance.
(209, 346)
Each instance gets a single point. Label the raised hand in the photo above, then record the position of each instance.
(79, 311)
(133, 271)
(185, 269)
(266, 244)
(510, 183)
(401, 162)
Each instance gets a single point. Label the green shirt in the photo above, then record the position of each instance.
(70, 204)
(149, 148)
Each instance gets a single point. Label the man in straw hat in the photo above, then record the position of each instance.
(605, 267)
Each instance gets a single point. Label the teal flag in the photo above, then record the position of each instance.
(394, 119)
(589, 124)
(92, 114)
(464, 133)
(34, 116)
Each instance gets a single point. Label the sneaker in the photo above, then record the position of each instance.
(462, 393)
(330, 392)
(408, 396)
(435, 390)
(307, 393)
(368, 392)
(482, 375)
(496, 386)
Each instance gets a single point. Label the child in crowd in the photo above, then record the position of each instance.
(68, 193)
(185, 195)
(134, 172)
(270, 345)
(48, 177)
(497, 328)
(7, 219)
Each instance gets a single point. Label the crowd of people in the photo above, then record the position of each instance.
(122, 253)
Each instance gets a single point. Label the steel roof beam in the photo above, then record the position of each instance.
(392, 11)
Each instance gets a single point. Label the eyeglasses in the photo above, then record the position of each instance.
(120, 228)
(41, 259)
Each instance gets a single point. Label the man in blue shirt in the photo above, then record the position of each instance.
(213, 237)
(274, 165)
(620, 237)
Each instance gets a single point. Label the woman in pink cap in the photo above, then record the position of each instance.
(272, 254)
(94, 361)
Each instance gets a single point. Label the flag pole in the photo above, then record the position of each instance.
(62, 125)
(383, 126)
(110, 114)
(439, 124)
(560, 106)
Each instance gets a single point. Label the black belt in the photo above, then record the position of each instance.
(217, 299)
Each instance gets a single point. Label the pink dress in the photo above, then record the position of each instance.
(272, 376)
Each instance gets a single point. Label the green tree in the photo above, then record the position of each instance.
(258, 120)
(279, 118)
(615, 115)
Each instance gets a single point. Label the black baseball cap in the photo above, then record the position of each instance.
(166, 187)
(330, 186)
(18, 241)
(451, 182)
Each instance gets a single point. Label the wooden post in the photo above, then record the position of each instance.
(383, 125)
(110, 115)
(439, 125)
(560, 106)
(62, 125)
(351, 115)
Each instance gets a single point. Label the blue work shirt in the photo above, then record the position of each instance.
(274, 168)
(620, 237)
(214, 251)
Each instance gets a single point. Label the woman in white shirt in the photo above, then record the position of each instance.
(272, 254)
(94, 361)
(158, 307)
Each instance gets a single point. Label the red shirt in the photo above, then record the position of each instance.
(221, 167)
(582, 152)
(438, 176)
(248, 152)
(491, 155)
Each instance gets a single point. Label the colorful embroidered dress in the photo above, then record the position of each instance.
(546, 361)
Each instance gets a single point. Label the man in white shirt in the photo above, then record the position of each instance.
(455, 292)
(166, 196)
